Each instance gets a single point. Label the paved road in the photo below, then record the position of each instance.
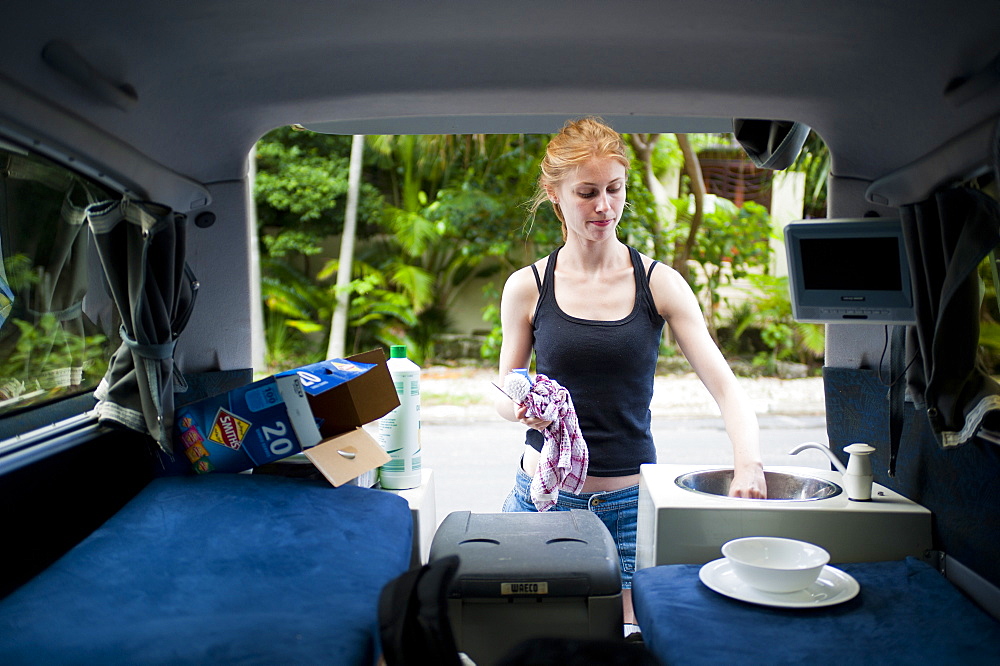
(474, 453)
(474, 461)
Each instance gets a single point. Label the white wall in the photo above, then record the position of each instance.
(787, 194)
(467, 315)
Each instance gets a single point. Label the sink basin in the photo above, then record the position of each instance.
(685, 515)
(780, 485)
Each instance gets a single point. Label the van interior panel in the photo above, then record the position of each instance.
(956, 485)
(164, 102)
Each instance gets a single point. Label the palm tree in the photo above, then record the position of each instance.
(338, 326)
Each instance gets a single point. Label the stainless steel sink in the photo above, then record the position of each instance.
(685, 515)
(780, 486)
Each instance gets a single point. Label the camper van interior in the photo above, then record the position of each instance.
(127, 229)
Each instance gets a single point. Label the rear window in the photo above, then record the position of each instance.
(54, 341)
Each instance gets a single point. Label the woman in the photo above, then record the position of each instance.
(593, 312)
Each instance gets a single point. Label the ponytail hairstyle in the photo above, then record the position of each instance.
(578, 141)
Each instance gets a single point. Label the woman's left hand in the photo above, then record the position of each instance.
(521, 414)
(749, 482)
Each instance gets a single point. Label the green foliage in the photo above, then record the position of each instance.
(814, 162)
(491, 315)
(378, 316)
(289, 242)
(438, 212)
(298, 310)
(43, 357)
(989, 344)
(733, 238)
(667, 154)
(48, 358)
(989, 315)
(20, 273)
(294, 306)
(636, 226)
(770, 313)
(732, 242)
(299, 182)
(701, 142)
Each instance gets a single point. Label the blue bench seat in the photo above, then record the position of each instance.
(247, 569)
(905, 613)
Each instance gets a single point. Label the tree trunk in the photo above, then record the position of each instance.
(338, 326)
(692, 166)
(643, 146)
(258, 338)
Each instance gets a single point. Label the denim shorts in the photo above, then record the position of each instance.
(617, 509)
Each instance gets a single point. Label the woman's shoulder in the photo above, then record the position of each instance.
(525, 278)
(662, 270)
(671, 292)
(527, 273)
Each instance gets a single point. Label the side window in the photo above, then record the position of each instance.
(56, 325)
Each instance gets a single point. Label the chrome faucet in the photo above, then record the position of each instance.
(857, 475)
(819, 447)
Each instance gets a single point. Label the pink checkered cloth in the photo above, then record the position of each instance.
(565, 457)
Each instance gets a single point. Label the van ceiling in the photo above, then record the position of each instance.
(870, 76)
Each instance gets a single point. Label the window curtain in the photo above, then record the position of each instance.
(141, 246)
(42, 211)
(947, 237)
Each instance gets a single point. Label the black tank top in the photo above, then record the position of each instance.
(608, 368)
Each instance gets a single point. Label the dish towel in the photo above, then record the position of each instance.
(565, 457)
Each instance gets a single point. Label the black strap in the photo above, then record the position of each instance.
(538, 280)
(897, 393)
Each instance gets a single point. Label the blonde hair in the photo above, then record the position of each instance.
(578, 141)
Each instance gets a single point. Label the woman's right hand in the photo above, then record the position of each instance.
(521, 413)
(749, 481)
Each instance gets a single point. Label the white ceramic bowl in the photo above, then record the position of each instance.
(773, 564)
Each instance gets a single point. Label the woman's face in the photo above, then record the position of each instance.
(592, 198)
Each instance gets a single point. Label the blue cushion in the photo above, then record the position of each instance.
(217, 569)
(906, 613)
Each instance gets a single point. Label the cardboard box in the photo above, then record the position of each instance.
(249, 426)
(317, 409)
(347, 456)
(341, 405)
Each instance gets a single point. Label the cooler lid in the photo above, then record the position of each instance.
(554, 554)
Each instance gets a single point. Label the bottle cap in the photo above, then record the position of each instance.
(397, 351)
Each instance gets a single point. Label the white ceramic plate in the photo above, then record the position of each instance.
(832, 587)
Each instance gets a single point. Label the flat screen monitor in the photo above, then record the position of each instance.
(849, 271)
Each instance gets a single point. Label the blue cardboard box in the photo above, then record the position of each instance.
(288, 413)
(249, 426)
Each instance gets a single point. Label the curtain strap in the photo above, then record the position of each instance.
(23, 168)
(74, 311)
(158, 352)
(897, 393)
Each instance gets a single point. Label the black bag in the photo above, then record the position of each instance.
(413, 616)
